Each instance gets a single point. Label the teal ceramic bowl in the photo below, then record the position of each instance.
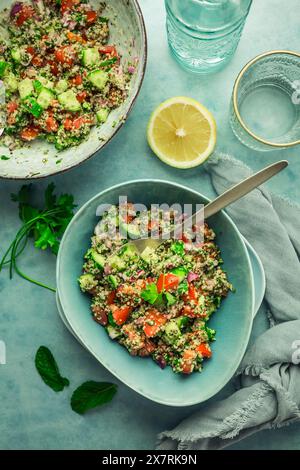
(233, 321)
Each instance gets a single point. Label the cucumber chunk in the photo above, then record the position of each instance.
(16, 55)
(172, 332)
(112, 332)
(99, 259)
(3, 66)
(131, 230)
(117, 263)
(113, 281)
(90, 56)
(98, 78)
(128, 252)
(69, 101)
(25, 88)
(61, 86)
(11, 82)
(45, 98)
(146, 255)
(45, 82)
(87, 282)
(102, 115)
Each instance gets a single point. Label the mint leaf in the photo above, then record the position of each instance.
(48, 369)
(170, 299)
(183, 287)
(150, 294)
(178, 248)
(92, 394)
(210, 333)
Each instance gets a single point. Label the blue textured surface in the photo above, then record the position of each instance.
(31, 415)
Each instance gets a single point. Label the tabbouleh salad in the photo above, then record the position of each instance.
(61, 74)
(157, 304)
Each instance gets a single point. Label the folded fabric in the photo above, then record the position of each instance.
(269, 375)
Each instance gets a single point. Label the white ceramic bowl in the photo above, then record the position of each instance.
(39, 159)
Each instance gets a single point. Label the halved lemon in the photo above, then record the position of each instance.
(182, 132)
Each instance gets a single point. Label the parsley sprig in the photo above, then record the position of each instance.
(46, 226)
(151, 295)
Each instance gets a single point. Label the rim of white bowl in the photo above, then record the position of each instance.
(121, 122)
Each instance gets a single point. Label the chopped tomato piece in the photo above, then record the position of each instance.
(75, 37)
(68, 5)
(26, 13)
(167, 281)
(188, 311)
(184, 238)
(191, 295)
(153, 321)
(128, 218)
(152, 225)
(204, 350)
(111, 297)
(188, 358)
(189, 354)
(65, 55)
(30, 50)
(109, 50)
(12, 107)
(77, 80)
(37, 61)
(81, 96)
(120, 314)
(51, 124)
(53, 67)
(29, 133)
(187, 368)
(91, 16)
(68, 124)
(80, 121)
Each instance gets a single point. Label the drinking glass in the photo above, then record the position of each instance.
(204, 34)
(265, 105)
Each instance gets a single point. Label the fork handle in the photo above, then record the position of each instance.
(233, 194)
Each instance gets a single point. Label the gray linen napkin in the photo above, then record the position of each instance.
(268, 377)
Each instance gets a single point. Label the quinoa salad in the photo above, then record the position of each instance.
(61, 73)
(158, 303)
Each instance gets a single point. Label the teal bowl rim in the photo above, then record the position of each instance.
(84, 343)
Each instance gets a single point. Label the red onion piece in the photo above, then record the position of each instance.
(161, 362)
(192, 276)
(131, 69)
(15, 9)
(107, 269)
